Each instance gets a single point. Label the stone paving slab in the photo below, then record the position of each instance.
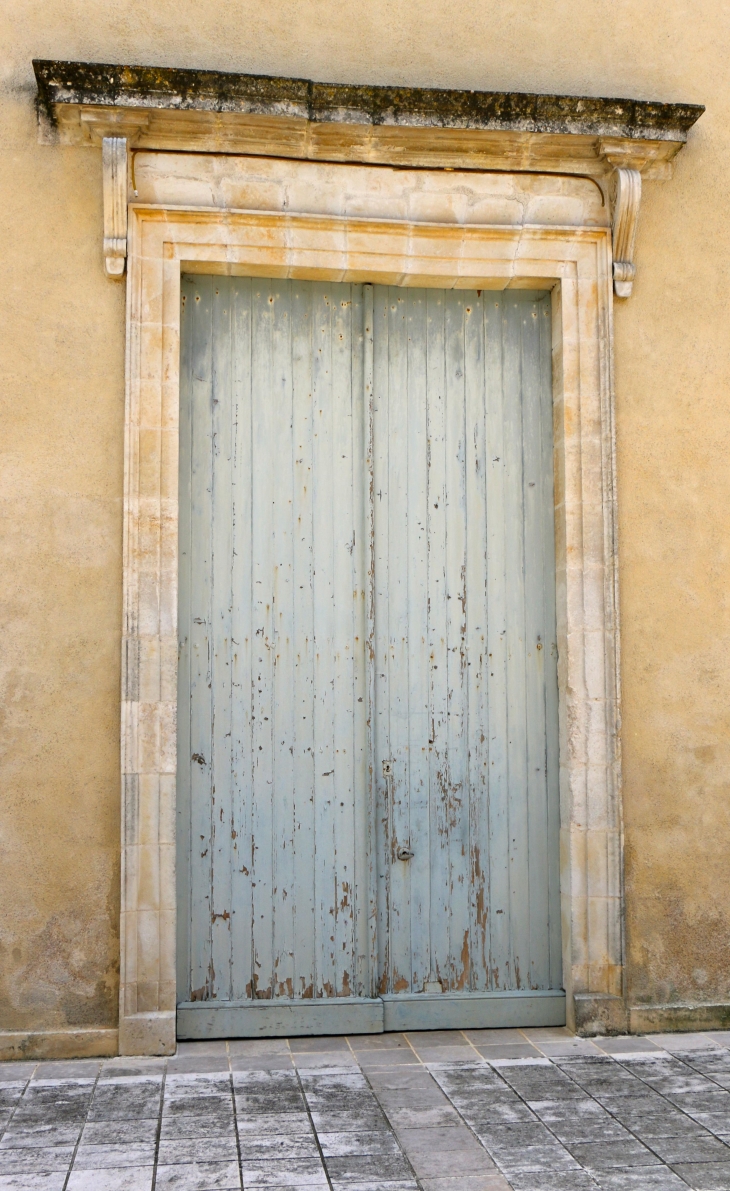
(479, 1110)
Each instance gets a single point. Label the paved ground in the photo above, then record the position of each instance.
(534, 1110)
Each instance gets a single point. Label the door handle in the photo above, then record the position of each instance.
(402, 852)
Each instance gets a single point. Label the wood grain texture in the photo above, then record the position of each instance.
(367, 577)
(465, 675)
(272, 612)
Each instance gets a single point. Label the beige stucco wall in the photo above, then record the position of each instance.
(62, 330)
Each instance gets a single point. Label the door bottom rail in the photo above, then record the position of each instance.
(282, 1018)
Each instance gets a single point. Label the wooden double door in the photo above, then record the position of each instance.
(367, 707)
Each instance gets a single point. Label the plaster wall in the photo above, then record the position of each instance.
(62, 335)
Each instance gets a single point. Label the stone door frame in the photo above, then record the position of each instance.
(471, 229)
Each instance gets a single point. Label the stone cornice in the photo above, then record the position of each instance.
(207, 111)
(147, 87)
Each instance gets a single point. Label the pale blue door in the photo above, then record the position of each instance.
(367, 705)
(465, 658)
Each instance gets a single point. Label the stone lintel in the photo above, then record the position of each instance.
(210, 111)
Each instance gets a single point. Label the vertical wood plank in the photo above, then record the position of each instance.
(202, 975)
(323, 596)
(398, 632)
(183, 806)
(515, 623)
(345, 599)
(304, 759)
(366, 859)
(497, 654)
(220, 684)
(282, 708)
(242, 644)
(264, 295)
(476, 645)
(417, 871)
(535, 640)
(554, 977)
(381, 627)
(360, 479)
(456, 655)
(437, 642)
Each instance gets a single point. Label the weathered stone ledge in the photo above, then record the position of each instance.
(687, 1017)
(152, 87)
(70, 1043)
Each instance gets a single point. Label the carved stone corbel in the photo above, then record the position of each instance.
(628, 160)
(626, 196)
(114, 169)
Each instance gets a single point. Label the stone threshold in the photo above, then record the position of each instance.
(669, 1021)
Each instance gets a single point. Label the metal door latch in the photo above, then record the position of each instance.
(402, 853)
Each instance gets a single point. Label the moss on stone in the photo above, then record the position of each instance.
(207, 90)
